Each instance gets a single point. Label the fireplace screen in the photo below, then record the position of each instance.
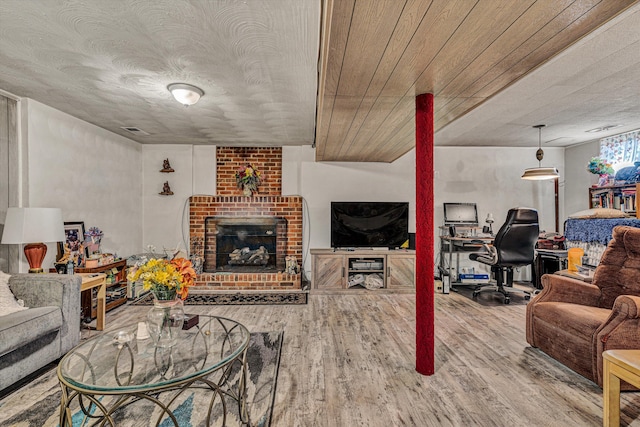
(246, 244)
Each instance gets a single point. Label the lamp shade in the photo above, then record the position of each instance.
(32, 225)
(539, 174)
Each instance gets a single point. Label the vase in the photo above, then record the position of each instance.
(164, 321)
(247, 192)
(92, 243)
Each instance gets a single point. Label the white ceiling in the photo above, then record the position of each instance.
(594, 83)
(109, 62)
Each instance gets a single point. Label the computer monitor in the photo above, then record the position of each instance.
(460, 214)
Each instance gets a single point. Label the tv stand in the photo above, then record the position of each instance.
(332, 268)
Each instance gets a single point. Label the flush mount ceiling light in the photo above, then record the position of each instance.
(540, 173)
(185, 94)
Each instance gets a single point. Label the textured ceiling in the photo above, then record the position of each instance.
(109, 62)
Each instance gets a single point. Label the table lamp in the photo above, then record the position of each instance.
(490, 221)
(32, 227)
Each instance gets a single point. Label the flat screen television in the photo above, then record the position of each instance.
(460, 214)
(369, 224)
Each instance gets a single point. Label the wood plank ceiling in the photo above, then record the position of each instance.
(376, 56)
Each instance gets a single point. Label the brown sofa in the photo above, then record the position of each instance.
(574, 322)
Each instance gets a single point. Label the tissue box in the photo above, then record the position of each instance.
(190, 320)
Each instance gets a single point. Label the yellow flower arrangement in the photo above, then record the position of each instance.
(165, 279)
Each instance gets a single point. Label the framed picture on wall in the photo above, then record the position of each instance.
(74, 241)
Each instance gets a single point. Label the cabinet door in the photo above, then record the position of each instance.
(401, 271)
(328, 271)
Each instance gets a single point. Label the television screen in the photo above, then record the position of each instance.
(369, 224)
(460, 214)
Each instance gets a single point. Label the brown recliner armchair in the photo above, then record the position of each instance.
(574, 322)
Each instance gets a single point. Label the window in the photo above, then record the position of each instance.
(621, 150)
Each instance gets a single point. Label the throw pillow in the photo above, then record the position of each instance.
(599, 213)
(8, 302)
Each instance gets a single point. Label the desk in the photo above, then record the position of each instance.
(457, 245)
(617, 365)
(556, 257)
(96, 280)
(587, 278)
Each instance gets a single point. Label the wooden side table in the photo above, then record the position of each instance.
(97, 280)
(617, 365)
(575, 275)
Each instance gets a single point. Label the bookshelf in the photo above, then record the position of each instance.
(621, 197)
(116, 287)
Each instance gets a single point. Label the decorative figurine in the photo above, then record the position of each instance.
(166, 167)
(291, 265)
(166, 190)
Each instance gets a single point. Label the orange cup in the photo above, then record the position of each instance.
(575, 258)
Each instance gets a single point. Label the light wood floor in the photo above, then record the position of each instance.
(348, 360)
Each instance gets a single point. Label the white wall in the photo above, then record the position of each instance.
(92, 174)
(321, 183)
(166, 220)
(111, 182)
(580, 179)
(490, 177)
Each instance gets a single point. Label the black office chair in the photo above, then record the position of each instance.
(512, 247)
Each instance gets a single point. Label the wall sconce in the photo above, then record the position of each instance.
(540, 173)
(185, 94)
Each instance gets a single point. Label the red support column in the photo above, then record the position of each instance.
(425, 354)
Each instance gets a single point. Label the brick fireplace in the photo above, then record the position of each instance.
(265, 221)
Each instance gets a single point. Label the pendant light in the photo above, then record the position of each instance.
(540, 173)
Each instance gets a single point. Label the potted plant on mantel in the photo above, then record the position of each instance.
(248, 179)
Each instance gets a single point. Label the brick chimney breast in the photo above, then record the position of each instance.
(230, 202)
(266, 160)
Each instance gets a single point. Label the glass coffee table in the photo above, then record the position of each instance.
(116, 369)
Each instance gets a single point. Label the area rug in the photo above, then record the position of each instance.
(236, 298)
(37, 404)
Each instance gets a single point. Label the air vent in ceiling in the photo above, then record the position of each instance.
(563, 140)
(134, 130)
(603, 128)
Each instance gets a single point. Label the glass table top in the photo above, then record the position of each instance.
(118, 361)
